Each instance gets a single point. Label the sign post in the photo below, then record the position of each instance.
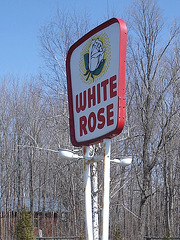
(95, 69)
(106, 181)
(87, 192)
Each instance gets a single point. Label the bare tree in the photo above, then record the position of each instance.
(56, 39)
(150, 88)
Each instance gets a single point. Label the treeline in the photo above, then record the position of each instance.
(34, 124)
(32, 175)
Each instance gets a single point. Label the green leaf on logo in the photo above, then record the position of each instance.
(86, 61)
(99, 69)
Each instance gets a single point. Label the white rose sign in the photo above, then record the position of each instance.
(95, 68)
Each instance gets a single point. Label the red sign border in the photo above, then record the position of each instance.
(121, 77)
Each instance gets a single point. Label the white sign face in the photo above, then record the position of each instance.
(95, 89)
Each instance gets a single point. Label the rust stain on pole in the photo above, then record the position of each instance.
(84, 150)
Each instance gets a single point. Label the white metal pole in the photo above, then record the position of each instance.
(95, 201)
(87, 192)
(106, 182)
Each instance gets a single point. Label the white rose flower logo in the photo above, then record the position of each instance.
(94, 60)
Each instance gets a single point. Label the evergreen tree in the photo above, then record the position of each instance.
(24, 227)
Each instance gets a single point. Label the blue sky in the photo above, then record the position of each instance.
(21, 20)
